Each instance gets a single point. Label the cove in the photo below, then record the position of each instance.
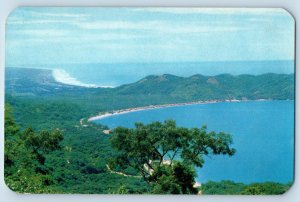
(262, 131)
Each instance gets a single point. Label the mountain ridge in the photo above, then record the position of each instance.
(194, 87)
(266, 86)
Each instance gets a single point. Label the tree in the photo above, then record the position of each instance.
(233, 188)
(165, 155)
(224, 187)
(11, 130)
(176, 179)
(25, 154)
(267, 188)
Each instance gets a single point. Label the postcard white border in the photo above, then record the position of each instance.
(6, 6)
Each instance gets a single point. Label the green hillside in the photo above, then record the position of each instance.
(197, 87)
(225, 86)
(39, 102)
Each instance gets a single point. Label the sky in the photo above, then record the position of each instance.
(41, 36)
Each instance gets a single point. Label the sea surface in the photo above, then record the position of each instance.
(262, 131)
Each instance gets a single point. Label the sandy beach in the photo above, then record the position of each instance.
(150, 107)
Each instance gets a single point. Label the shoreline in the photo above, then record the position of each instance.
(151, 107)
(63, 77)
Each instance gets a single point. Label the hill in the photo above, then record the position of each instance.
(21, 81)
(224, 86)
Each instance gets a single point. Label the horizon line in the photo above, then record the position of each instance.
(152, 62)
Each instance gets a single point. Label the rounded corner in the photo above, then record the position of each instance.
(9, 187)
(289, 14)
(11, 12)
(291, 184)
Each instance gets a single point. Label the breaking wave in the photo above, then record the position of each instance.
(64, 77)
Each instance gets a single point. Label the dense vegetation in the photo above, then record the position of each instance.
(78, 167)
(25, 155)
(232, 188)
(220, 87)
(165, 155)
(43, 108)
(163, 89)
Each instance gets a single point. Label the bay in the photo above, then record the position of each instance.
(262, 131)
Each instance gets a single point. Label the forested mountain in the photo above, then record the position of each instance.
(20, 81)
(224, 86)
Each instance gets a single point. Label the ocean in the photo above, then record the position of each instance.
(112, 75)
(262, 131)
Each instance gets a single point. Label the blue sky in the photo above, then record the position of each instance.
(51, 36)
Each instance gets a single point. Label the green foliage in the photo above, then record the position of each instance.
(42, 113)
(147, 147)
(232, 188)
(26, 181)
(40, 104)
(25, 157)
(151, 90)
(267, 188)
(11, 131)
(80, 165)
(176, 179)
(165, 182)
(222, 188)
(121, 190)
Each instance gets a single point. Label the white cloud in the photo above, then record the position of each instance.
(42, 33)
(32, 22)
(106, 25)
(44, 17)
(101, 38)
(61, 15)
(160, 26)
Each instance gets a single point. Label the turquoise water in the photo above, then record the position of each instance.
(263, 134)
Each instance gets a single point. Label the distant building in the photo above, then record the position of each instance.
(107, 132)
